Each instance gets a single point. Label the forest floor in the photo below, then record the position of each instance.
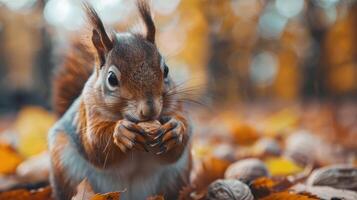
(263, 151)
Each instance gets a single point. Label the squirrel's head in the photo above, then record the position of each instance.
(131, 74)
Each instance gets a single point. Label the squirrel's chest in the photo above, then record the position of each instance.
(140, 175)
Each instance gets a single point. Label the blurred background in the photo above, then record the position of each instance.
(240, 50)
(277, 76)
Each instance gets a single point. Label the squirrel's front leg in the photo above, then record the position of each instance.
(128, 135)
(173, 137)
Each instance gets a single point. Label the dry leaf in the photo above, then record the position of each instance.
(107, 196)
(40, 194)
(244, 134)
(282, 166)
(85, 192)
(325, 192)
(9, 159)
(32, 125)
(288, 196)
(157, 197)
(210, 169)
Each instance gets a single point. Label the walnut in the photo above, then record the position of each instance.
(150, 127)
(301, 147)
(267, 146)
(226, 189)
(247, 170)
(336, 176)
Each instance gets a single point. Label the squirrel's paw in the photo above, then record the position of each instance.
(128, 135)
(172, 134)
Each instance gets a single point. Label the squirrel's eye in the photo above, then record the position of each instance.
(112, 79)
(166, 71)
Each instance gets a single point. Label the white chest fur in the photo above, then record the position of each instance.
(140, 175)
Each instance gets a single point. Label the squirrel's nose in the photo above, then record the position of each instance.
(147, 109)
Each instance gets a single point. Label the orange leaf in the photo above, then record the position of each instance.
(244, 134)
(106, 196)
(41, 194)
(288, 196)
(9, 159)
(157, 197)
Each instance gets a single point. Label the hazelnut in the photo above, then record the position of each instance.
(336, 176)
(247, 170)
(226, 189)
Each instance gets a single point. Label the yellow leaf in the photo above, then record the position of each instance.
(32, 125)
(280, 121)
(282, 167)
(9, 159)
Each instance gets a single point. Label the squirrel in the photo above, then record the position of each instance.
(101, 94)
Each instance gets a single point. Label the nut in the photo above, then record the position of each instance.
(150, 127)
(301, 147)
(247, 170)
(336, 176)
(226, 189)
(267, 146)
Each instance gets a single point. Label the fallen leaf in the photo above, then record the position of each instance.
(281, 121)
(32, 126)
(282, 166)
(210, 169)
(288, 196)
(325, 192)
(21, 194)
(85, 192)
(157, 197)
(244, 134)
(9, 159)
(107, 196)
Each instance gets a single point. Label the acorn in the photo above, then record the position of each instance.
(227, 189)
(247, 170)
(336, 176)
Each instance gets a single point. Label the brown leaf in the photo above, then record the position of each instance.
(211, 168)
(85, 192)
(41, 194)
(263, 187)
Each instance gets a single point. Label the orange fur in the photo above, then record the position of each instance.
(64, 187)
(100, 149)
(71, 76)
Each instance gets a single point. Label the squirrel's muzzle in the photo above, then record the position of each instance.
(149, 109)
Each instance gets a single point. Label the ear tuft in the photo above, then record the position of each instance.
(100, 38)
(145, 14)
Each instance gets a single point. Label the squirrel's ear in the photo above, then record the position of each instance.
(145, 13)
(100, 38)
